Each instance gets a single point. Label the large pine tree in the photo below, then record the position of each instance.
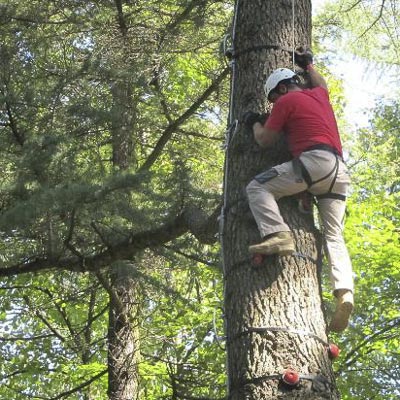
(274, 316)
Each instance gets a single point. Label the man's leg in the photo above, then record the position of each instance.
(332, 214)
(263, 193)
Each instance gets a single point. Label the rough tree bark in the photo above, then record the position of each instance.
(123, 335)
(123, 330)
(124, 307)
(284, 292)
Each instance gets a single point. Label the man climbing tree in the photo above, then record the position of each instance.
(307, 118)
(275, 326)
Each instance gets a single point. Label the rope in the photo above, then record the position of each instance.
(231, 131)
(305, 257)
(249, 261)
(235, 54)
(219, 339)
(320, 383)
(293, 41)
(300, 332)
(230, 117)
(231, 54)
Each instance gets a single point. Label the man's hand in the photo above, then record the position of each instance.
(303, 57)
(250, 118)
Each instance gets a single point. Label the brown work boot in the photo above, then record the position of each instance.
(278, 243)
(344, 307)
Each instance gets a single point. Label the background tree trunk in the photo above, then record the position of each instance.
(124, 307)
(123, 335)
(284, 292)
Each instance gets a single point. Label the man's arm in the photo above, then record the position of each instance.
(303, 57)
(264, 136)
(316, 78)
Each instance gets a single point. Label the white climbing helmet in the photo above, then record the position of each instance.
(277, 76)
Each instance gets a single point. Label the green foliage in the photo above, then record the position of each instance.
(368, 367)
(86, 97)
(51, 329)
(366, 28)
(371, 344)
(88, 91)
(183, 332)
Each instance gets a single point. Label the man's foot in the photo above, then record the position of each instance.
(344, 307)
(278, 243)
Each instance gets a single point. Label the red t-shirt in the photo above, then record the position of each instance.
(307, 118)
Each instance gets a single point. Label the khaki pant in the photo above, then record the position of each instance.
(284, 180)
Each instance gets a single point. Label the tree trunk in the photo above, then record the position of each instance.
(123, 335)
(274, 316)
(124, 309)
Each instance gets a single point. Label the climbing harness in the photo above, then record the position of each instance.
(302, 173)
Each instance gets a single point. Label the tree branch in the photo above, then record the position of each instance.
(121, 19)
(81, 386)
(171, 128)
(182, 17)
(19, 137)
(376, 19)
(26, 338)
(351, 357)
(190, 220)
(45, 321)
